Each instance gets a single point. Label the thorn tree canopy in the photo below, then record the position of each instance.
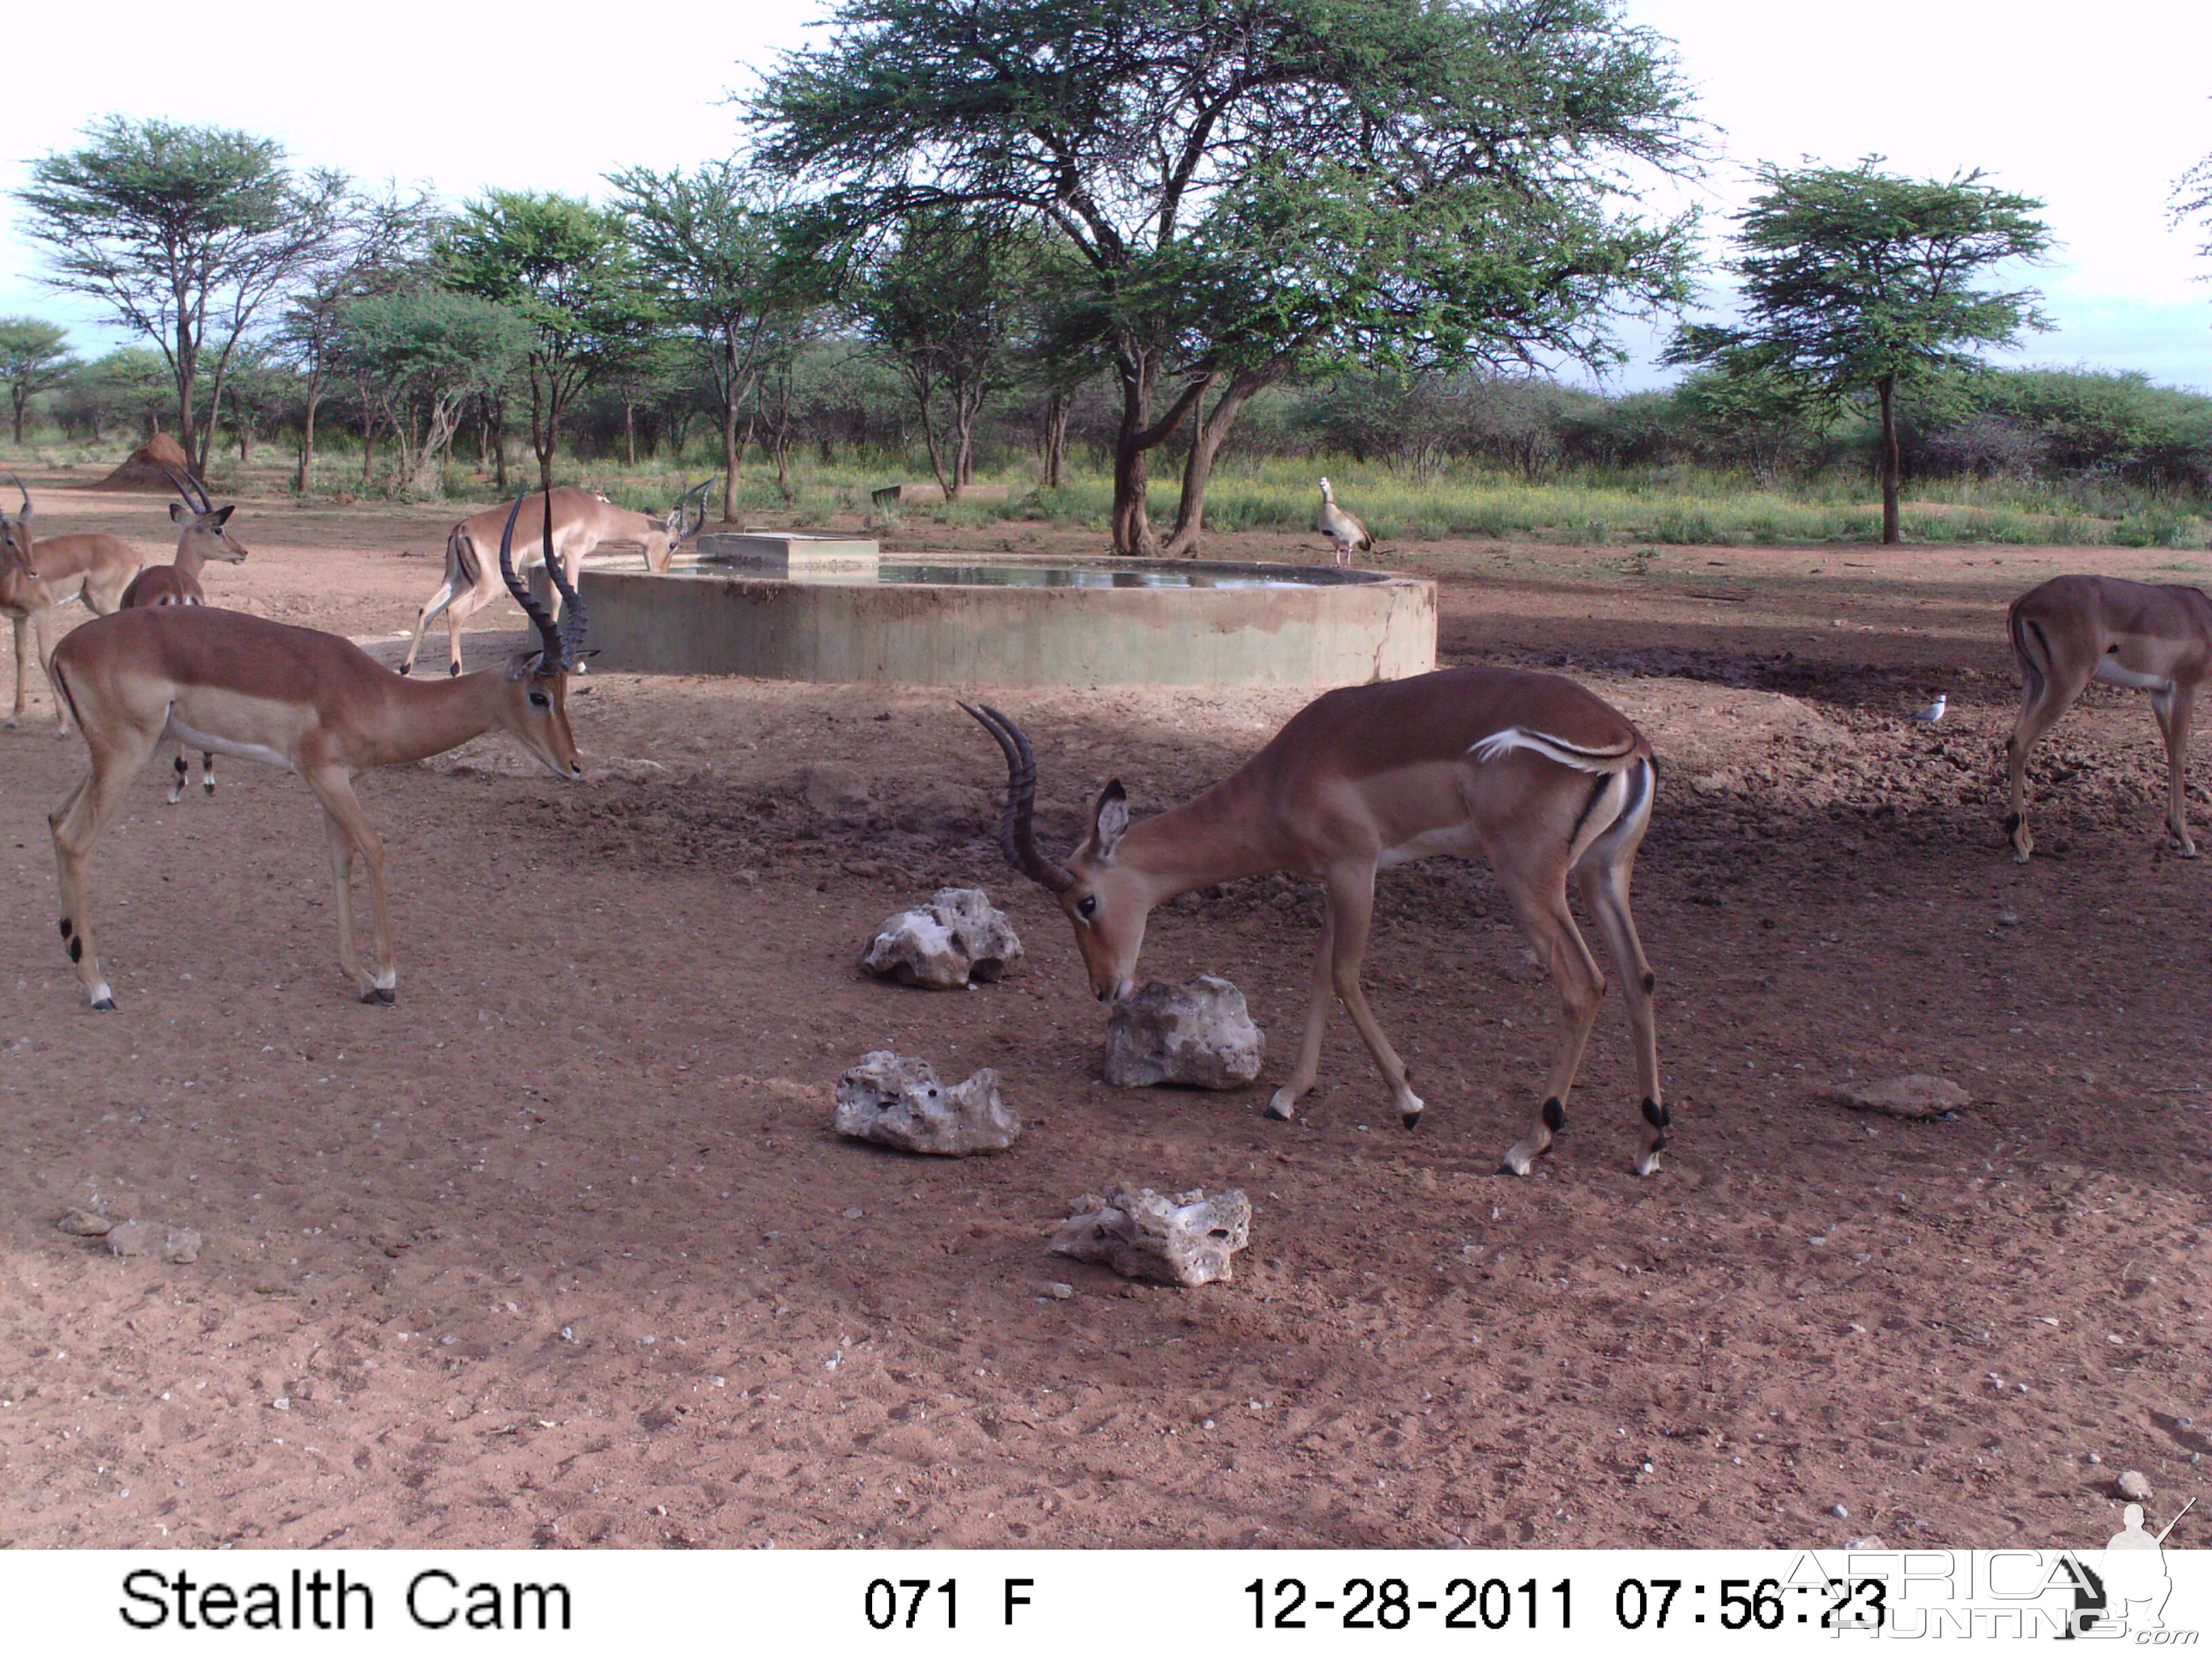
(1858, 282)
(566, 267)
(179, 230)
(1254, 188)
(34, 357)
(718, 247)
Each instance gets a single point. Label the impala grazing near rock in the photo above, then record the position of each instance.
(2073, 630)
(1530, 770)
(581, 521)
(311, 703)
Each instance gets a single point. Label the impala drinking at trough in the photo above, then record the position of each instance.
(581, 522)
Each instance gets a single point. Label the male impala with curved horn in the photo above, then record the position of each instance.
(581, 521)
(312, 702)
(38, 577)
(2073, 630)
(1528, 768)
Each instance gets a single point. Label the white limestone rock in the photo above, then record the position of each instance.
(1188, 1240)
(1199, 1035)
(899, 1102)
(177, 1244)
(1915, 1096)
(956, 940)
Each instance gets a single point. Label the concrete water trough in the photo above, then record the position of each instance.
(813, 608)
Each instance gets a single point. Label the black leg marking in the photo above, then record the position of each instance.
(1655, 1114)
(406, 667)
(76, 949)
(65, 927)
(1650, 983)
(1555, 1116)
(2012, 824)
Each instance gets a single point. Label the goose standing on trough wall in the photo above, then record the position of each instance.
(1341, 527)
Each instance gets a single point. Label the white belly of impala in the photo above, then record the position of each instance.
(209, 744)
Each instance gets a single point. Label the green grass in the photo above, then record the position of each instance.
(1668, 507)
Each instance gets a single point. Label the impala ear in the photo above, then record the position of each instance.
(223, 517)
(178, 513)
(1110, 816)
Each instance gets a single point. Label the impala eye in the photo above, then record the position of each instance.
(1087, 906)
(539, 699)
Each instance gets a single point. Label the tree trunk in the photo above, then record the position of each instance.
(1055, 439)
(1892, 466)
(21, 397)
(730, 458)
(1134, 440)
(301, 478)
(187, 362)
(630, 434)
(1206, 440)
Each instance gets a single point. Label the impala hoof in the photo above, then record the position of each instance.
(1646, 1164)
(384, 993)
(105, 1006)
(1283, 1106)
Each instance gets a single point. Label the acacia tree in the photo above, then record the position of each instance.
(1258, 186)
(34, 357)
(567, 268)
(420, 355)
(1857, 283)
(716, 247)
(381, 243)
(946, 302)
(184, 233)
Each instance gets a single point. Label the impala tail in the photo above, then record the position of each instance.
(1499, 744)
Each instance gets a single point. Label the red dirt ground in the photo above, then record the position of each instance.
(561, 1250)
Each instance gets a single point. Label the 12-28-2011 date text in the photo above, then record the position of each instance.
(1393, 1604)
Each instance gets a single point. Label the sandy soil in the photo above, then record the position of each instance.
(561, 1250)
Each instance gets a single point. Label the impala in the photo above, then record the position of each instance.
(1531, 769)
(581, 521)
(312, 702)
(202, 537)
(2073, 630)
(37, 577)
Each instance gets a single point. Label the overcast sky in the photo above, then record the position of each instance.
(2096, 110)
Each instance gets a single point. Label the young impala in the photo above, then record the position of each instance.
(1530, 770)
(202, 537)
(311, 703)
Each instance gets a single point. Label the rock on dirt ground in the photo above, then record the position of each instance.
(561, 1250)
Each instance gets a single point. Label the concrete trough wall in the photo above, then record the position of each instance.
(1326, 634)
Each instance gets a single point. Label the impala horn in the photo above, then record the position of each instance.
(699, 524)
(1017, 828)
(548, 633)
(188, 487)
(25, 494)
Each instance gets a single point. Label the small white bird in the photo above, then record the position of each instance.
(1934, 712)
(1341, 527)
